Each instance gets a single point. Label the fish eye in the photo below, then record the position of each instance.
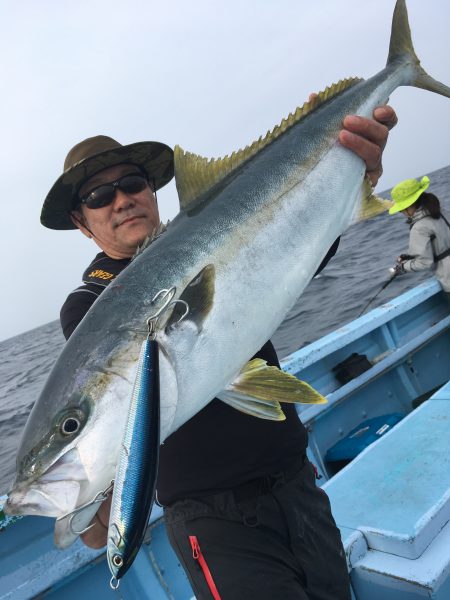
(71, 420)
(70, 426)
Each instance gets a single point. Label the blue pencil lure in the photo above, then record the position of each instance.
(137, 467)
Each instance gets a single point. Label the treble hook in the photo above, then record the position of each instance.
(186, 310)
(168, 295)
(98, 499)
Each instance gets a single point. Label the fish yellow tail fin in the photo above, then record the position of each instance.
(401, 49)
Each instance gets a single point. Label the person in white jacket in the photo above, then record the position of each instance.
(429, 238)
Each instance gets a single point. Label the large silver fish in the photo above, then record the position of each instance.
(252, 230)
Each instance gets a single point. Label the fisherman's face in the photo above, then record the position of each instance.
(121, 226)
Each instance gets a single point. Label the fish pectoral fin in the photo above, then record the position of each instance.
(263, 409)
(199, 297)
(260, 383)
(370, 205)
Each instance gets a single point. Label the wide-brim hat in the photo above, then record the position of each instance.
(407, 192)
(93, 155)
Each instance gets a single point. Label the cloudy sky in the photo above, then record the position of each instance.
(208, 75)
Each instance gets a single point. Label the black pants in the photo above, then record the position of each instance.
(280, 544)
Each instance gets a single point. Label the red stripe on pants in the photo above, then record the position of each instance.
(197, 554)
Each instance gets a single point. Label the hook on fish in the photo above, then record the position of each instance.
(167, 295)
(98, 499)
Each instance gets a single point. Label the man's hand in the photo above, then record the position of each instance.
(97, 536)
(368, 137)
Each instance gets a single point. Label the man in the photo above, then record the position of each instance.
(237, 491)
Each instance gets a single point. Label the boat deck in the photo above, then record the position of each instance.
(392, 504)
(391, 501)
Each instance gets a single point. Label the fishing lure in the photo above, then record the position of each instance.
(137, 467)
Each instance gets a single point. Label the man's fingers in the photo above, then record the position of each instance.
(370, 152)
(371, 130)
(368, 137)
(97, 536)
(386, 114)
(104, 511)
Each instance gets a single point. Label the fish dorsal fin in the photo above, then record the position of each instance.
(195, 175)
(259, 388)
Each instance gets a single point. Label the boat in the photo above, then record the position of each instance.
(381, 449)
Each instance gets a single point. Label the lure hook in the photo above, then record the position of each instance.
(98, 499)
(186, 310)
(167, 295)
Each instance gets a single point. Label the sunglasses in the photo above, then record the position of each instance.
(104, 194)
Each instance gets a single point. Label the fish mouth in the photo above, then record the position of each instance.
(47, 500)
(53, 494)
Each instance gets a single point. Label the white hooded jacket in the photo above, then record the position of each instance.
(428, 238)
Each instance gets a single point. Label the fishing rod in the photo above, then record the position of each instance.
(383, 287)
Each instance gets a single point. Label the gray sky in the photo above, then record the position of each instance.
(211, 76)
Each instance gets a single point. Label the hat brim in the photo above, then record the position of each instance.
(403, 204)
(154, 157)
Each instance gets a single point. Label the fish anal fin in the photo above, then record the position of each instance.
(270, 410)
(370, 205)
(195, 175)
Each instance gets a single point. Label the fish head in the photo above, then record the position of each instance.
(70, 443)
(50, 470)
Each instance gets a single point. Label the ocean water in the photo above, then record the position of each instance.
(335, 297)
